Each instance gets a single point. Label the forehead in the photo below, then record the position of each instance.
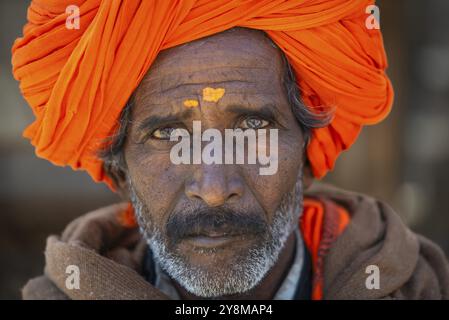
(243, 62)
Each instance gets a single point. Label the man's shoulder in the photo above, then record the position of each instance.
(42, 288)
(409, 265)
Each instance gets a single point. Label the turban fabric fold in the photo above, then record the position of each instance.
(77, 81)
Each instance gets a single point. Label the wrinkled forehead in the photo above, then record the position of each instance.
(239, 59)
(237, 46)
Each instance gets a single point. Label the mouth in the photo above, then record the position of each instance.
(213, 239)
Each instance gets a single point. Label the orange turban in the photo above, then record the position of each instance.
(77, 81)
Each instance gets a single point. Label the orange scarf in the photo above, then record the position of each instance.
(77, 81)
(321, 223)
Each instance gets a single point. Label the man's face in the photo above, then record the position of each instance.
(216, 229)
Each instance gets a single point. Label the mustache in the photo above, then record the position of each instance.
(183, 224)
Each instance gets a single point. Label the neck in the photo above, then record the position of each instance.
(267, 287)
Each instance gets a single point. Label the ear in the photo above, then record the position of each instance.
(307, 177)
(123, 189)
(119, 177)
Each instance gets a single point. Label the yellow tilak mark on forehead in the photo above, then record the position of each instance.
(191, 103)
(213, 95)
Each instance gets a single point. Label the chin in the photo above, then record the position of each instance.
(215, 254)
(226, 268)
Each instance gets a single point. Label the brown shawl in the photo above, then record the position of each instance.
(110, 256)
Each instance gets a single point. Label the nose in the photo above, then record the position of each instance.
(215, 185)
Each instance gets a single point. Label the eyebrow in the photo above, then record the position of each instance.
(155, 120)
(268, 111)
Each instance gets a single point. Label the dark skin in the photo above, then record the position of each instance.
(249, 69)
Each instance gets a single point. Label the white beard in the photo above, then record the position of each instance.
(238, 277)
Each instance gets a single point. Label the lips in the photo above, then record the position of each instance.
(213, 239)
(216, 234)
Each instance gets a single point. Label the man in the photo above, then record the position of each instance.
(118, 99)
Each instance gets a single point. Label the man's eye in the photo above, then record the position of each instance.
(254, 123)
(163, 133)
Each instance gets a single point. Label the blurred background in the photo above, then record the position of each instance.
(403, 161)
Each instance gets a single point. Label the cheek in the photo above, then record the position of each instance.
(155, 179)
(270, 189)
